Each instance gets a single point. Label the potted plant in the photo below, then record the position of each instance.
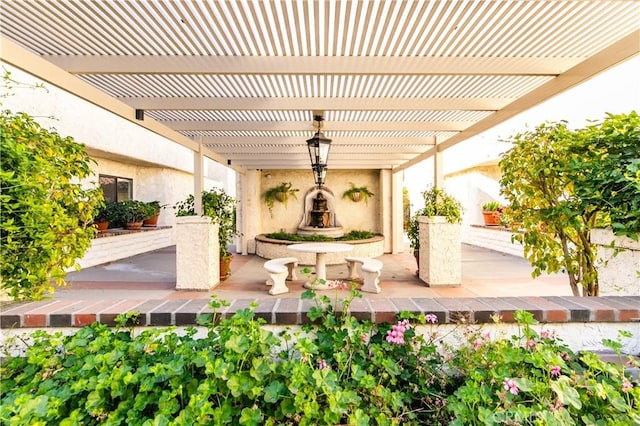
(491, 213)
(104, 215)
(134, 212)
(357, 193)
(440, 261)
(279, 193)
(221, 207)
(155, 207)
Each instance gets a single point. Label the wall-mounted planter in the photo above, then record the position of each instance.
(357, 193)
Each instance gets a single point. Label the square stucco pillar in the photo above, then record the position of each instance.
(197, 253)
(440, 252)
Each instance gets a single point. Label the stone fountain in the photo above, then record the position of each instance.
(320, 214)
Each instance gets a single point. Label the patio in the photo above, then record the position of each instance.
(493, 284)
(486, 273)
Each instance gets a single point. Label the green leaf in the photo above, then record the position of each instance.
(567, 394)
(274, 391)
(238, 343)
(250, 416)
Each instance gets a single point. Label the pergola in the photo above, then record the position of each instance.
(397, 82)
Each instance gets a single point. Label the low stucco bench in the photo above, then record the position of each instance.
(370, 269)
(280, 269)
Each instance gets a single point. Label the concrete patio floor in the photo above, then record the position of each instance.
(485, 273)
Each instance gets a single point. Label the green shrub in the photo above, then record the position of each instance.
(221, 208)
(337, 370)
(46, 214)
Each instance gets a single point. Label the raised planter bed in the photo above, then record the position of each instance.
(269, 248)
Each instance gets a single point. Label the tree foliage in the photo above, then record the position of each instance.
(607, 168)
(562, 183)
(539, 186)
(46, 215)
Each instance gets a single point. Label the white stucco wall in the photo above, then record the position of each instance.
(352, 216)
(618, 263)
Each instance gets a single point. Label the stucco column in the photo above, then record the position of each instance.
(440, 252)
(249, 210)
(438, 170)
(198, 178)
(197, 253)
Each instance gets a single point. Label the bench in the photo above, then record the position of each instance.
(280, 269)
(370, 269)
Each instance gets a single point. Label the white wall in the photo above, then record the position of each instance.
(161, 170)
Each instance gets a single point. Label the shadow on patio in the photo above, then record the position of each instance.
(486, 273)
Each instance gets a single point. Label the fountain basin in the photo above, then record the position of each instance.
(269, 248)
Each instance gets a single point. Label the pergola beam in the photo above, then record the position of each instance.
(315, 103)
(198, 125)
(311, 65)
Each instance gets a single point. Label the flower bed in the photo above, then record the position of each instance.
(340, 370)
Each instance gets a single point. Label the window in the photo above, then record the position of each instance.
(116, 188)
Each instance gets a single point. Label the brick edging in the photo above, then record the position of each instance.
(292, 311)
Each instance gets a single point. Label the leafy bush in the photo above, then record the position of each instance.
(46, 214)
(606, 164)
(532, 378)
(221, 208)
(436, 203)
(337, 370)
(540, 189)
(562, 183)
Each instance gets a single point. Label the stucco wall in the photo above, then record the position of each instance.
(618, 263)
(352, 216)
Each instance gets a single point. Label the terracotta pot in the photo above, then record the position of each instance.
(102, 226)
(225, 267)
(491, 218)
(133, 226)
(152, 221)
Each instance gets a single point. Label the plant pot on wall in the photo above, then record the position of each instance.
(102, 226)
(151, 221)
(133, 226)
(357, 193)
(491, 218)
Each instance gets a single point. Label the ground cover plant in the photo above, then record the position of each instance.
(336, 370)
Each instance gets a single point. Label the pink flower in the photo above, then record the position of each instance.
(477, 344)
(396, 334)
(322, 364)
(626, 385)
(555, 371)
(431, 318)
(546, 334)
(511, 386)
(337, 284)
(531, 344)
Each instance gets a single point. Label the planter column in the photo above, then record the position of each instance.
(197, 254)
(440, 252)
(618, 263)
